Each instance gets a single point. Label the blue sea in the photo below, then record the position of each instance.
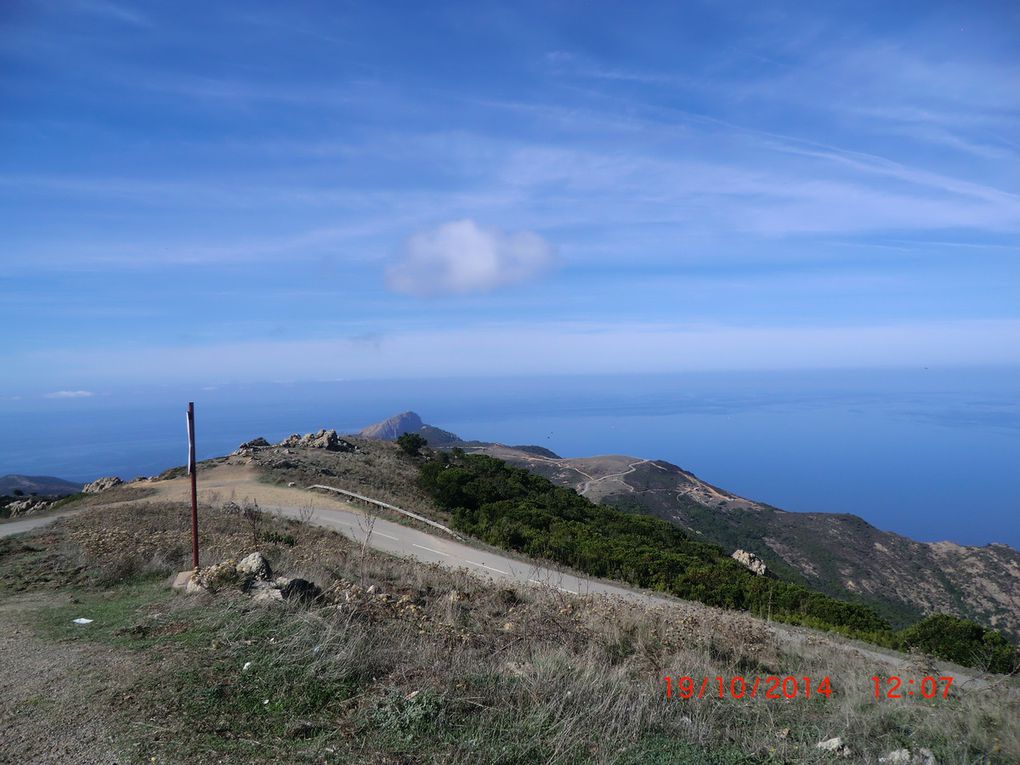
(933, 454)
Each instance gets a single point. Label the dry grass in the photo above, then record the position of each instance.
(437, 666)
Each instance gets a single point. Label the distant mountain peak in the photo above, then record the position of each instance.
(393, 427)
(43, 485)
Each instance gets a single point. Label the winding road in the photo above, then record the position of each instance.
(396, 539)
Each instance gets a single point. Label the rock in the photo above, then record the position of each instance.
(255, 566)
(219, 576)
(301, 590)
(101, 484)
(897, 757)
(835, 746)
(921, 756)
(265, 592)
(26, 506)
(250, 446)
(750, 561)
(321, 439)
(182, 579)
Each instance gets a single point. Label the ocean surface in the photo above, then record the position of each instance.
(933, 454)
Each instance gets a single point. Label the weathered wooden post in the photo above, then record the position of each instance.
(192, 470)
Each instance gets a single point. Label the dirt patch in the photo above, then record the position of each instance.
(54, 696)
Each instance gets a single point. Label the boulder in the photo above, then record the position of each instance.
(291, 441)
(249, 446)
(301, 590)
(101, 484)
(255, 566)
(265, 592)
(218, 576)
(751, 561)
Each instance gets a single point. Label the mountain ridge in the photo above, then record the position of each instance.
(839, 554)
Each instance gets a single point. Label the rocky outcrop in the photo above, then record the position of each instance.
(750, 561)
(26, 506)
(249, 446)
(322, 439)
(101, 484)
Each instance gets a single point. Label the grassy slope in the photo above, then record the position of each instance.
(437, 666)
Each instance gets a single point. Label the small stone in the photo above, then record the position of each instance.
(897, 757)
(835, 746)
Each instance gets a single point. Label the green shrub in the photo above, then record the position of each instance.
(961, 641)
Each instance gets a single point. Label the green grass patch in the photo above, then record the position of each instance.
(134, 615)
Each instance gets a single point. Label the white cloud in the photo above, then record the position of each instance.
(461, 257)
(70, 394)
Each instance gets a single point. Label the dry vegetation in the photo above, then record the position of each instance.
(377, 469)
(405, 663)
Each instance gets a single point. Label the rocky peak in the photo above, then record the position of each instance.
(392, 428)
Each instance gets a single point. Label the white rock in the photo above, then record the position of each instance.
(255, 565)
(101, 484)
(751, 561)
(265, 592)
(834, 745)
(896, 757)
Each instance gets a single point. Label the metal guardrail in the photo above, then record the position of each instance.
(386, 505)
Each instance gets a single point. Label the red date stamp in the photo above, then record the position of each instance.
(928, 687)
(739, 687)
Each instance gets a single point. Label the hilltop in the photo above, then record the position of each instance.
(42, 485)
(839, 554)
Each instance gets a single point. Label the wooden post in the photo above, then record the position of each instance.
(192, 470)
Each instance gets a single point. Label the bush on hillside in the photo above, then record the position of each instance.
(960, 641)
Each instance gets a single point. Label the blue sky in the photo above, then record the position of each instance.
(209, 192)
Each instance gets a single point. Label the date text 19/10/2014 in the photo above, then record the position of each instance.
(790, 687)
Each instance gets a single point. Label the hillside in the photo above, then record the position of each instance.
(42, 485)
(395, 662)
(841, 555)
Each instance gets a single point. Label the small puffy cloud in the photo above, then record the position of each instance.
(70, 394)
(461, 257)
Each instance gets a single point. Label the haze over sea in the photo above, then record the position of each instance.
(931, 454)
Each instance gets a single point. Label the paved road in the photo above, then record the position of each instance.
(401, 540)
(21, 525)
